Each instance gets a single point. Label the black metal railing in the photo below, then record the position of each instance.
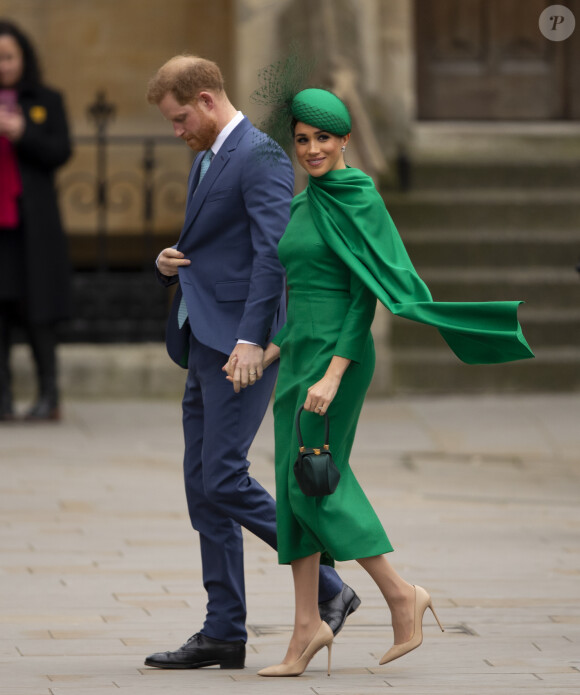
(123, 200)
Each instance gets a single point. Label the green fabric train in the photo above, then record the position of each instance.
(352, 219)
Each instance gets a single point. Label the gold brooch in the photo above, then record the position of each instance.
(38, 114)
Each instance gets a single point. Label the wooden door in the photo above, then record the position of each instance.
(487, 59)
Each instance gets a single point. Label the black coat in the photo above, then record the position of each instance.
(44, 146)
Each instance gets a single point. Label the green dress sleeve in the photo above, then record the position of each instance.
(279, 337)
(357, 323)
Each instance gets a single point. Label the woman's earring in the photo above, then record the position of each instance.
(343, 148)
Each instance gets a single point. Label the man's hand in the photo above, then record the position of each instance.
(244, 366)
(170, 260)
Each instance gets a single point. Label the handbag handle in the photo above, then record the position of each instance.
(299, 433)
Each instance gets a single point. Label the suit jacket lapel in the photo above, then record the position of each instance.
(196, 197)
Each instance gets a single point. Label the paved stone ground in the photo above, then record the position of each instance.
(98, 566)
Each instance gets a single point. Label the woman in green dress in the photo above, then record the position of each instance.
(341, 252)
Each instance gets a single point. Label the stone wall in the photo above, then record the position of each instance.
(116, 45)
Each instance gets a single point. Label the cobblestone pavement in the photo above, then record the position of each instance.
(480, 497)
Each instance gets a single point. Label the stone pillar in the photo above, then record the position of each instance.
(392, 78)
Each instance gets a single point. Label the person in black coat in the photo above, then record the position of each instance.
(34, 266)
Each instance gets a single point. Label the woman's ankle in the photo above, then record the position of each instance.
(399, 596)
(305, 630)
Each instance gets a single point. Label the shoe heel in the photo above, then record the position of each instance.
(436, 618)
(233, 663)
(329, 657)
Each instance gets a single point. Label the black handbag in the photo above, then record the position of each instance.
(315, 471)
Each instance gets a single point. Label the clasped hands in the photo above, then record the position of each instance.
(245, 366)
(247, 363)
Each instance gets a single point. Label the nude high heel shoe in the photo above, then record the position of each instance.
(422, 602)
(323, 638)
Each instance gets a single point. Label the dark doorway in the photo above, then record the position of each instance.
(487, 60)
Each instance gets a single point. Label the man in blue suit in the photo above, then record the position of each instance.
(229, 302)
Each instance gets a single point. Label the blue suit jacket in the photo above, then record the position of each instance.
(234, 287)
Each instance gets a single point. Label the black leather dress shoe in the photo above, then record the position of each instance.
(337, 609)
(199, 651)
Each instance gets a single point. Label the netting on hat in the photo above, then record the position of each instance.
(279, 84)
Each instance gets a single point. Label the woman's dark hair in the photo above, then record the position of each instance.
(295, 121)
(31, 71)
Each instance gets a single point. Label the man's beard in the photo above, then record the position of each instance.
(204, 137)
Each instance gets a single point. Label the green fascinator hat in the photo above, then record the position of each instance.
(321, 109)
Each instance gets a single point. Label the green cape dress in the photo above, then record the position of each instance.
(341, 251)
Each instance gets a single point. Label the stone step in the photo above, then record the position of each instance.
(447, 175)
(496, 142)
(541, 288)
(542, 328)
(493, 214)
(439, 371)
(139, 370)
(493, 248)
(485, 209)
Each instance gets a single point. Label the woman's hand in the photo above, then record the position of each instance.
(271, 354)
(322, 393)
(12, 124)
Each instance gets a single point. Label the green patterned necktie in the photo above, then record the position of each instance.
(205, 162)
